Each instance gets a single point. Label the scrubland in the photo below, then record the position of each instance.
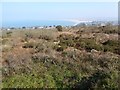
(77, 57)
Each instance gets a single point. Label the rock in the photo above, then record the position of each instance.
(94, 51)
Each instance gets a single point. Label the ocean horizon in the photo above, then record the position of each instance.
(18, 24)
(42, 23)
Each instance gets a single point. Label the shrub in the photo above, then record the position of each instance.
(59, 48)
(23, 81)
(45, 37)
(29, 35)
(9, 33)
(66, 40)
(109, 29)
(59, 28)
(39, 47)
(70, 67)
(6, 49)
(43, 59)
(88, 44)
(96, 79)
(71, 54)
(29, 45)
(112, 46)
(4, 41)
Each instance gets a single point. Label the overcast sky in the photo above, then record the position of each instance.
(22, 11)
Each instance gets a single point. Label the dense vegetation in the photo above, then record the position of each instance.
(77, 57)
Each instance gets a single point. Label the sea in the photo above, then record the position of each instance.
(18, 24)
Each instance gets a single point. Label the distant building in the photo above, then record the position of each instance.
(34, 27)
(40, 27)
(103, 24)
(8, 29)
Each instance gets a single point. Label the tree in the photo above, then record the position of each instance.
(59, 28)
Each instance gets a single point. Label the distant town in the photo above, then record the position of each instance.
(80, 23)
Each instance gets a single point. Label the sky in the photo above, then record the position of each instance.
(25, 11)
(59, 0)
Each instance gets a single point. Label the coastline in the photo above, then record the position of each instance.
(76, 21)
(41, 23)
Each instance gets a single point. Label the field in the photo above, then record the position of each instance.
(74, 57)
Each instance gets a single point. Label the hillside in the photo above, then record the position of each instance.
(77, 57)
